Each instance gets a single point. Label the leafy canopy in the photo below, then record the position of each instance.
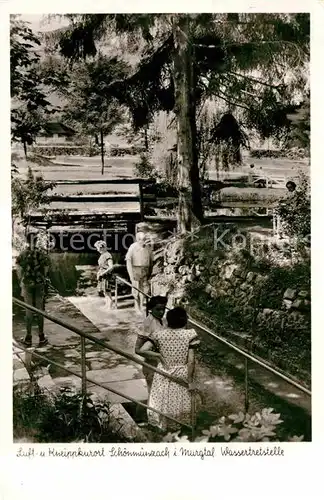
(256, 63)
(29, 101)
(88, 106)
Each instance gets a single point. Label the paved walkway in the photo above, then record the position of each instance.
(119, 327)
(102, 365)
(271, 382)
(221, 393)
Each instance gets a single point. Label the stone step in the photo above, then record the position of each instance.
(121, 421)
(95, 310)
(20, 375)
(86, 268)
(136, 389)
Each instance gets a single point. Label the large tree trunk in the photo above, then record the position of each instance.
(196, 194)
(184, 83)
(102, 152)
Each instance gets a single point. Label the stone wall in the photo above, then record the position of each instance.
(248, 290)
(253, 292)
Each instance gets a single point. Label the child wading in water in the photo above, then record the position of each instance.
(104, 274)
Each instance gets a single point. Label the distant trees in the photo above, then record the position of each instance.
(146, 137)
(87, 105)
(29, 102)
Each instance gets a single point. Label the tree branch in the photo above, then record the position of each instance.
(240, 44)
(227, 99)
(254, 80)
(171, 122)
(242, 90)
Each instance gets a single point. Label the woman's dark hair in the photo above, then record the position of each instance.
(177, 318)
(154, 301)
(291, 185)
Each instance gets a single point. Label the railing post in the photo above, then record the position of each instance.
(193, 416)
(83, 367)
(116, 292)
(246, 384)
(128, 355)
(274, 225)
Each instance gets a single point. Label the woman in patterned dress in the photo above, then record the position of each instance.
(175, 345)
(153, 322)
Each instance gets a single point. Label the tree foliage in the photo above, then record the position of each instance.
(300, 127)
(228, 52)
(87, 100)
(241, 59)
(28, 194)
(88, 107)
(29, 101)
(242, 427)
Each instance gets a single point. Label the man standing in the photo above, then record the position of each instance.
(32, 270)
(139, 263)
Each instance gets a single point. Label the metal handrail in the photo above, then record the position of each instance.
(243, 353)
(252, 358)
(108, 388)
(106, 345)
(246, 355)
(100, 342)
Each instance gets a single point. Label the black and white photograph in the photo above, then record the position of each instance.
(161, 228)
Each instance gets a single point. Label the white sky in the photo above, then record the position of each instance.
(39, 22)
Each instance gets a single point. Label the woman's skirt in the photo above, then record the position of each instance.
(172, 399)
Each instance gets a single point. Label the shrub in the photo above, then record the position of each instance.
(28, 194)
(240, 428)
(295, 212)
(73, 150)
(292, 153)
(65, 417)
(144, 168)
(295, 277)
(131, 150)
